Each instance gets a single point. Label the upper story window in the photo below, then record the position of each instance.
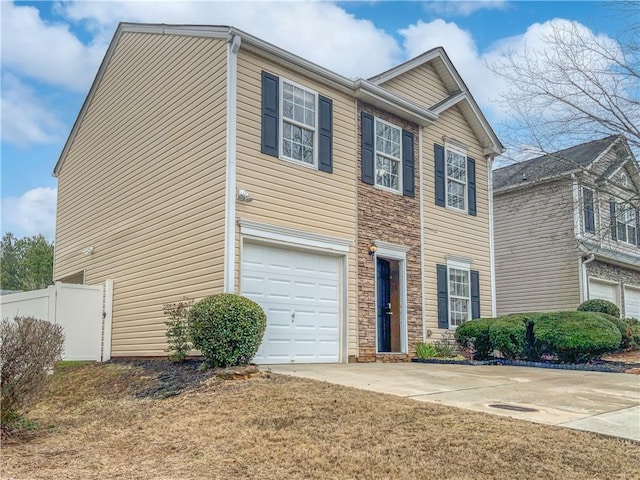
(388, 148)
(588, 211)
(299, 107)
(456, 178)
(296, 123)
(626, 228)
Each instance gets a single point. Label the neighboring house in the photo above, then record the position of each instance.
(566, 229)
(356, 213)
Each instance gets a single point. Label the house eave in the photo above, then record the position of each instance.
(610, 256)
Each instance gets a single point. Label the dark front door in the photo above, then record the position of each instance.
(383, 303)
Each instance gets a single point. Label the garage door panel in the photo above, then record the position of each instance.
(299, 292)
(603, 291)
(632, 302)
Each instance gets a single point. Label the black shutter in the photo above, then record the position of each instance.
(471, 185)
(589, 217)
(637, 228)
(612, 214)
(443, 297)
(270, 114)
(475, 294)
(438, 155)
(325, 142)
(408, 164)
(368, 148)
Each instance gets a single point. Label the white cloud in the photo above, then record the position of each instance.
(319, 31)
(30, 214)
(25, 118)
(48, 52)
(464, 8)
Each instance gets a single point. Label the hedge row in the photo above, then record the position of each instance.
(570, 336)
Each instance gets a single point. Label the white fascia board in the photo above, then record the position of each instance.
(450, 102)
(293, 236)
(536, 182)
(407, 66)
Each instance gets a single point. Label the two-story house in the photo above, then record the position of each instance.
(355, 212)
(566, 229)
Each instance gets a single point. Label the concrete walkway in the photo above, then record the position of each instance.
(607, 403)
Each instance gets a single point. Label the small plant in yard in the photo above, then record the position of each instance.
(227, 329)
(469, 351)
(178, 340)
(425, 350)
(445, 348)
(29, 348)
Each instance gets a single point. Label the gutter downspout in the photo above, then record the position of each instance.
(422, 246)
(585, 276)
(492, 248)
(233, 45)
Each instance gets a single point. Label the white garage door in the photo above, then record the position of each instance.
(632, 302)
(300, 295)
(603, 291)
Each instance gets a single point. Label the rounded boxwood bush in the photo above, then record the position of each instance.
(507, 334)
(600, 306)
(576, 336)
(476, 332)
(625, 330)
(227, 329)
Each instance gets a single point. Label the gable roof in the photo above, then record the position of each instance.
(459, 93)
(367, 90)
(562, 162)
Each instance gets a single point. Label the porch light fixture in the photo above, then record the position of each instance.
(244, 196)
(372, 249)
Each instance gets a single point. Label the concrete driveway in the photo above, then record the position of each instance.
(607, 403)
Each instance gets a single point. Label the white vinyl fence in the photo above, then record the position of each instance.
(84, 311)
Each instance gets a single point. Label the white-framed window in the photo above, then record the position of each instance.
(388, 144)
(459, 295)
(456, 170)
(626, 225)
(588, 210)
(298, 121)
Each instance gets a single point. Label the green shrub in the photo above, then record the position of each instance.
(425, 350)
(178, 341)
(507, 334)
(445, 347)
(476, 333)
(575, 336)
(625, 331)
(600, 306)
(29, 348)
(227, 329)
(635, 334)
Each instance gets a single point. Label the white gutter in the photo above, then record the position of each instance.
(492, 247)
(422, 246)
(233, 45)
(585, 277)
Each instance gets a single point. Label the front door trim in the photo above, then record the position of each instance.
(392, 251)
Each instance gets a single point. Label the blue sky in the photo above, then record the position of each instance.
(51, 51)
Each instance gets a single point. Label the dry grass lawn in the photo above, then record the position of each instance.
(93, 426)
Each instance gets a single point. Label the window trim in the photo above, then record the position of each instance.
(454, 148)
(466, 267)
(594, 206)
(385, 155)
(281, 120)
(626, 206)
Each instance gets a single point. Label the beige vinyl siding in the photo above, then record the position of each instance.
(448, 232)
(143, 183)
(421, 85)
(292, 195)
(537, 265)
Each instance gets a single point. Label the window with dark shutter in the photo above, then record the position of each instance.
(325, 143)
(612, 216)
(471, 186)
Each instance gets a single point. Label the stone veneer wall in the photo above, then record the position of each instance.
(393, 218)
(614, 273)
